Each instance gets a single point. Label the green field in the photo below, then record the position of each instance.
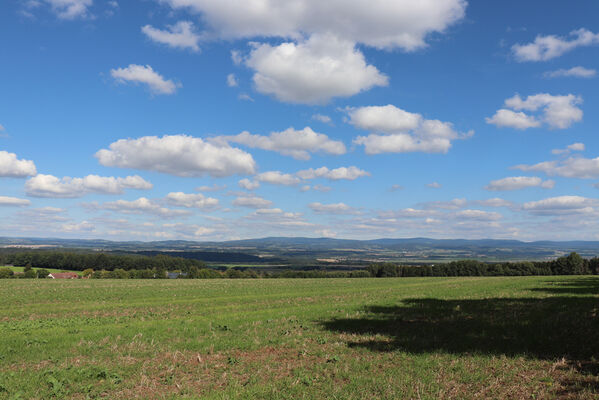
(50, 270)
(420, 338)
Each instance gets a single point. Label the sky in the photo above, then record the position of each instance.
(228, 119)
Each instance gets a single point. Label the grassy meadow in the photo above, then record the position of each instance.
(420, 338)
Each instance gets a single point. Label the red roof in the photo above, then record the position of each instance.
(64, 275)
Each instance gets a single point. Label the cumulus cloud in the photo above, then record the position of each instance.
(575, 72)
(571, 167)
(346, 173)
(312, 71)
(179, 155)
(278, 178)
(335, 208)
(519, 182)
(547, 47)
(146, 75)
(6, 201)
(434, 185)
(558, 112)
(78, 227)
(252, 202)
(191, 200)
(50, 186)
(562, 205)
(569, 149)
(513, 119)
(383, 24)
(12, 167)
(290, 142)
(399, 131)
(139, 206)
(245, 183)
(232, 80)
(180, 35)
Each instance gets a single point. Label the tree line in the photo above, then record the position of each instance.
(572, 264)
(78, 261)
(125, 266)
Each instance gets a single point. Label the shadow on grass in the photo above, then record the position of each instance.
(565, 325)
(581, 286)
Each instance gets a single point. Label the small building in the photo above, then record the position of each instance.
(63, 275)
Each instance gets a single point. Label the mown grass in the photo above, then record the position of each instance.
(426, 338)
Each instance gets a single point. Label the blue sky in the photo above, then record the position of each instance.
(213, 120)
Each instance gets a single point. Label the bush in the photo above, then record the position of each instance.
(6, 273)
(42, 273)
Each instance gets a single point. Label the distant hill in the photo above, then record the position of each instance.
(302, 249)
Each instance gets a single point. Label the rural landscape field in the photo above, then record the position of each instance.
(421, 338)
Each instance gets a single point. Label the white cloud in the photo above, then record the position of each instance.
(395, 187)
(252, 202)
(576, 72)
(383, 24)
(347, 173)
(562, 205)
(6, 201)
(478, 215)
(572, 167)
(50, 186)
(139, 206)
(325, 119)
(512, 119)
(335, 208)
(278, 178)
(245, 97)
(245, 183)
(1, 128)
(399, 131)
(290, 142)
(180, 35)
(569, 149)
(312, 71)
(70, 9)
(547, 47)
(78, 227)
(146, 75)
(434, 185)
(558, 112)
(12, 167)
(179, 155)
(194, 200)
(232, 80)
(519, 182)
